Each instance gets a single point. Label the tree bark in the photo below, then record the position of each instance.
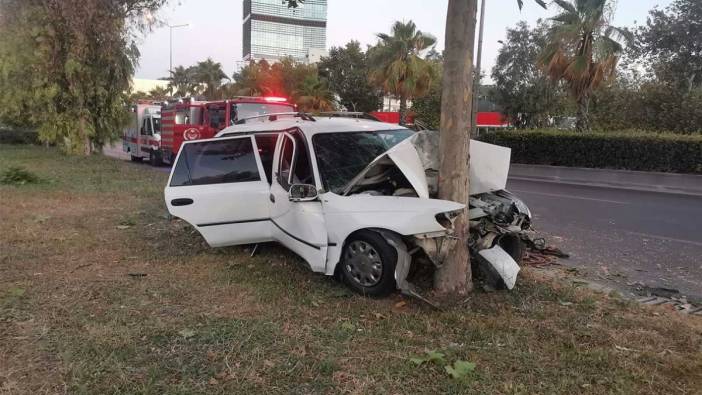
(403, 109)
(582, 123)
(454, 276)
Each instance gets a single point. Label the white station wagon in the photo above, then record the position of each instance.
(352, 197)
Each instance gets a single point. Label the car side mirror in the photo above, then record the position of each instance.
(302, 193)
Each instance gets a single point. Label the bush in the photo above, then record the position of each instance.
(666, 152)
(18, 176)
(18, 136)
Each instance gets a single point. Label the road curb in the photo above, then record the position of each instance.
(681, 184)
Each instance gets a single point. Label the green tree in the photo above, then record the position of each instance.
(249, 81)
(314, 95)
(397, 65)
(522, 89)
(210, 74)
(182, 82)
(427, 109)
(671, 43)
(67, 65)
(583, 50)
(346, 69)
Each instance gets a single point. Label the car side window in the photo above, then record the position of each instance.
(285, 164)
(266, 150)
(294, 164)
(216, 162)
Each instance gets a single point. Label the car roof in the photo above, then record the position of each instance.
(309, 128)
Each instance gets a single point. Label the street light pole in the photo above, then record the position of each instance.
(171, 27)
(476, 75)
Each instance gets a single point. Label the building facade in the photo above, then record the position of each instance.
(273, 31)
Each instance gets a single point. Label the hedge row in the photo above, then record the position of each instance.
(18, 136)
(664, 152)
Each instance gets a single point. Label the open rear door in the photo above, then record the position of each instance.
(220, 188)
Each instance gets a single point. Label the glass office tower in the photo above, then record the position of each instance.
(272, 30)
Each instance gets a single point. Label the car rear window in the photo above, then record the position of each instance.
(216, 162)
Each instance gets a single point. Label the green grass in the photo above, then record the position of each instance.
(208, 320)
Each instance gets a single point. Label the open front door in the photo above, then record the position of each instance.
(220, 188)
(297, 225)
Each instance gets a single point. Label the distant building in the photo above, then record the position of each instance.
(146, 85)
(273, 31)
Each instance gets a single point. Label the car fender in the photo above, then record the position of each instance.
(405, 216)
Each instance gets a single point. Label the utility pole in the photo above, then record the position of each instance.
(170, 64)
(476, 75)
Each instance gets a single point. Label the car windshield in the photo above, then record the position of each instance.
(248, 110)
(341, 156)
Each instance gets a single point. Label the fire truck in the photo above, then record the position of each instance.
(142, 135)
(193, 120)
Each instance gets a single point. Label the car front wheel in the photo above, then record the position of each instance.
(368, 264)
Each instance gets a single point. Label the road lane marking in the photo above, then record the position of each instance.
(569, 196)
(695, 243)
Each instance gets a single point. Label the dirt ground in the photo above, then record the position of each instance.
(100, 292)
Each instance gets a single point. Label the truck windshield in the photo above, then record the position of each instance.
(248, 110)
(341, 156)
(157, 125)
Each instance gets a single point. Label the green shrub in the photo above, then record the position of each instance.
(18, 176)
(631, 150)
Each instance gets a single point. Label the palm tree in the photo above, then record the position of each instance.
(314, 95)
(252, 79)
(583, 50)
(397, 65)
(181, 82)
(210, 74)
(159, 93)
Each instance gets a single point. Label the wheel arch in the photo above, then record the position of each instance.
(333, 263)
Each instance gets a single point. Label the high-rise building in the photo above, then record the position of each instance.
(273, 31)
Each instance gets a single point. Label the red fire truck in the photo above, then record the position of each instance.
(194, 120)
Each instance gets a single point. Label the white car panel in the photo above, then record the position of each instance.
(227, 213)
(403, 215)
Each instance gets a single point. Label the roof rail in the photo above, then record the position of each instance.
(349, 114)
(274, 117)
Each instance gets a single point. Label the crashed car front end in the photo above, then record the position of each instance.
(499, 222)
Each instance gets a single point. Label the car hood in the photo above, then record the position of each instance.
(417, 157)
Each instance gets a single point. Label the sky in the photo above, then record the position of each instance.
(215, 28)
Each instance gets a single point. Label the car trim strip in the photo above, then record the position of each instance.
(307, 243)
(233, 222)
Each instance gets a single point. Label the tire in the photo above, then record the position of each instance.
(368, 264)
(155, 159)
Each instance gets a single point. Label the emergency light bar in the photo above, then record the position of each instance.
(275, 99)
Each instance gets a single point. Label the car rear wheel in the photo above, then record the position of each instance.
(368, 264)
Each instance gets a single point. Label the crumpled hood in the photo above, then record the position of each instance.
(418, 159)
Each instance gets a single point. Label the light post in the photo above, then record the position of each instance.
(476, 74)
(171, 27)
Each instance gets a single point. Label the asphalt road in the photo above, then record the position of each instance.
(621, 237)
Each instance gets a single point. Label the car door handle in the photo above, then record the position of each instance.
(271, 197)
(181, 202)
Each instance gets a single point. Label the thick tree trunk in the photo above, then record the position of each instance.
(582, 123)
(454, 276)
(403, 109)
